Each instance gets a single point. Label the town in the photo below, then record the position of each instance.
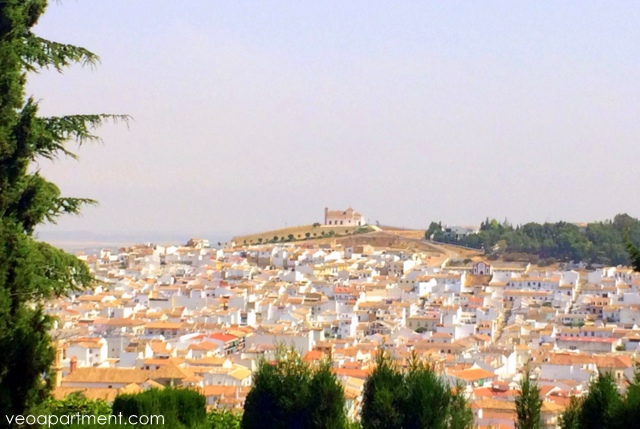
(203, 316)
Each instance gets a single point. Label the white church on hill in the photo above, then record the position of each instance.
(348, 217)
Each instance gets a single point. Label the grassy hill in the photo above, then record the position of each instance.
(300, 233)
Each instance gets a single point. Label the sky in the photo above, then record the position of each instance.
(249, 116)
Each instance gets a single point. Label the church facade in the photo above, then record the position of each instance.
(348, 217)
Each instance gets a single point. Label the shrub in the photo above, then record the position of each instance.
(180, 407)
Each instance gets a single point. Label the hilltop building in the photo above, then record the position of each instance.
(481, 268)
(349, 217)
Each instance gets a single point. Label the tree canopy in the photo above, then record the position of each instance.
(528, 403)
(596, 242)
(32, 271)
(604, 407)
(291, 393)
(416, 398)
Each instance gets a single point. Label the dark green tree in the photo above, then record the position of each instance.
(31, 271)
(570, 419)
(629, 413)
(180, 407)
(528, 403)
(601, 405)
(327, 405)
(291, 393)
(426, 398)
(634, 253)
(460, 415)
(434, 227)
(383, 395)
(416, 398)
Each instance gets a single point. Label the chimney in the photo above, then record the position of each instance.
(73, 364)
(326, 213)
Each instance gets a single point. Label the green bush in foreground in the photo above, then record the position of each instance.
(180, 407)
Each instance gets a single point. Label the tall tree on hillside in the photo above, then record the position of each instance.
(634, 253)
(528, 403)
(31, 271)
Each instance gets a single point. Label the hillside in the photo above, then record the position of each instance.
(300, 233)
(597, 243)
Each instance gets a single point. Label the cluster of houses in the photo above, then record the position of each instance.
(205, 317)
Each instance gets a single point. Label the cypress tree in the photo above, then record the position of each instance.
(31, 271)
(528, 403)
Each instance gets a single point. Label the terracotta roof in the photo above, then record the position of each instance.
(474, 374)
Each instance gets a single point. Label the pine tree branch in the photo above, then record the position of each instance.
(68, 205)
(42, 53)
(59, 129)
(59, 272)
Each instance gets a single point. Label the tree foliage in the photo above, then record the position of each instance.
(382, 397)
(416, 398)
(31, 271)
(292, 393)
(180, 407)
(634, 253)
(601, 405)
(604, 407)
(224, 419)
(74, 403)
(604, 243)
(528, 403)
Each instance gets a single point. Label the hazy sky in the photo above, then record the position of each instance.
(256, 115)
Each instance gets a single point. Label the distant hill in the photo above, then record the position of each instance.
(601, 243)
(300, 233)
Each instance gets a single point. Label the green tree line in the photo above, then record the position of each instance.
(292, 393)
(596, 243)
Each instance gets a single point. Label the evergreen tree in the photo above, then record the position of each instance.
(601, 405)
(570, 419)
(417, 398)
(426, 398)
(634, 253)
(290, 393)
(528, 403)
(382, 397)
(31, 271)
(460, 415)
(629, 413)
